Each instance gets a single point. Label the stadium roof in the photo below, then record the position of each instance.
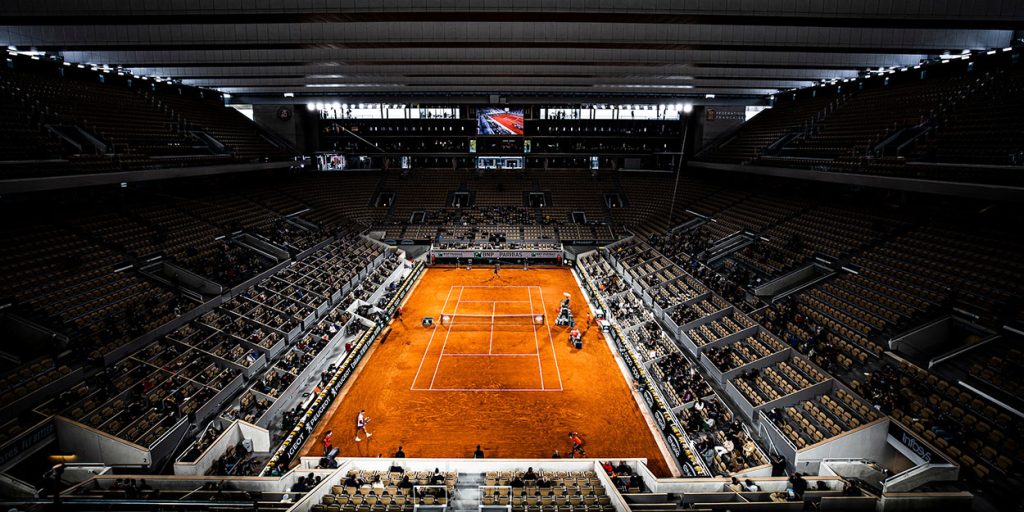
(582, 48)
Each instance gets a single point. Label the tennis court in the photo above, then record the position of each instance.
(490, 338)
(491, 374)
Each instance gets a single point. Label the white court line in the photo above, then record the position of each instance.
(489, 355)
(536, 341)
(480, 286)
(470, 324)
(551, 339)
(495, 390)
(490, 342)
(431, 340)
(490, 301)
(447, 334)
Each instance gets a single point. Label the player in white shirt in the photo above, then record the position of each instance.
(361, 421)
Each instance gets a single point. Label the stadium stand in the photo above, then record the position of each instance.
(830, 286)
(723, 445)
(74, 126)
(929, 129)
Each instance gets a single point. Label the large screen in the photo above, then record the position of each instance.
(499, 121)
(330, 162)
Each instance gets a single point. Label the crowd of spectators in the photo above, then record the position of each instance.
(306, 483)
(625, 479)
(721, 440)
(684, 383)
(815, 342)
(689, 243)
(237, 460)
(286, 234)
(232, 264)
(730, 281)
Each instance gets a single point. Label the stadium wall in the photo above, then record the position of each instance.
(236, 431)
(94, 445)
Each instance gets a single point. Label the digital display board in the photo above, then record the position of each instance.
(499, 121)
(330, 162)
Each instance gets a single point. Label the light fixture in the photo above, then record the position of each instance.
(289, 95)
(687, 108)
(310, 106)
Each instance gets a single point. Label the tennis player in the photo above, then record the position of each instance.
(361, 421)
(577, 445)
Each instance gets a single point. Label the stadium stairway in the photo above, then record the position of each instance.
(467, 493)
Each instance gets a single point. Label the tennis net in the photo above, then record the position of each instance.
(496, 322)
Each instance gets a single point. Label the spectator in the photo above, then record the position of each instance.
(734, 485)
(778, 465)
(405, 483)
(799, 485)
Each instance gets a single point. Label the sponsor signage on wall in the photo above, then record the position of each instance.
(26, 442)
(900, 436)
(496, 254)
(725, 114)
(718, 120)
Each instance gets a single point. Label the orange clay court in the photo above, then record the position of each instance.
(494, 374)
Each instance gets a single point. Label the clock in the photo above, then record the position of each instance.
(284, 114)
